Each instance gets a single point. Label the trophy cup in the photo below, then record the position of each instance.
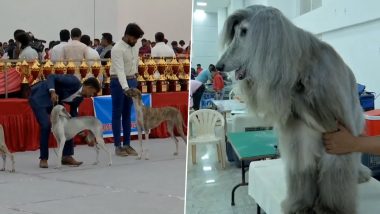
(70, 68)
(2, 66)
(83, 70)
(186, 66)
(107, 67)
(36, 72)
(162, 66)
(142, 84)
(47, 69)
(143, 69)
(175, 66)
(183, 79)
(95, 69)
(152, 85)
(174, 84)
(59, 68)
(151, 67)
(25, 74)
(162, 84)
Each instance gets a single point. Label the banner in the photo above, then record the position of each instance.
(103, 111)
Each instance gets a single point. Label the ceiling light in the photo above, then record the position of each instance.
(210, 181)
(202, 4)
(199, 15)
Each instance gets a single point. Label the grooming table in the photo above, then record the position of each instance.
(267, 187)
(251, 146)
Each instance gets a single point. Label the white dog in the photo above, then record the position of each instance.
(304, 87)
(4, 151)
(64, 128)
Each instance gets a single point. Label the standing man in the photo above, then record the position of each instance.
(161, 49)
(92, 54)
(123, 71)
(59, 89)
(106, 44)
(57, 51)
(75, 50)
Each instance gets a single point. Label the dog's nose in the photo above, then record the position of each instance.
(220, 67)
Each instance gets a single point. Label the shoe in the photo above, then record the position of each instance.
(120, 152)
(130, 150)
(70, 161)
(43, 164)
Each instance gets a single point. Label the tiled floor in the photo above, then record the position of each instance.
(209, 187)
(128, 186)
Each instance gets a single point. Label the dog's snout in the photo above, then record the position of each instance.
(220, 67)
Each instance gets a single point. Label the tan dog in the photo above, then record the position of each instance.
(4, 151)
(149, 118)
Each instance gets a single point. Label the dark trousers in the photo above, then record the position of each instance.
(197, 96)
(121, 111)
(42, 116)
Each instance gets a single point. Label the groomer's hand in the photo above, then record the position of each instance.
(340, 142)
(53, 97)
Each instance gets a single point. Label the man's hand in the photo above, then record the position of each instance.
(53, 97)
(128, 92)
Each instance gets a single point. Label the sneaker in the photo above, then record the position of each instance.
(130, 150)
(120, 152)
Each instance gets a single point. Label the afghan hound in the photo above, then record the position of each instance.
(303, 87)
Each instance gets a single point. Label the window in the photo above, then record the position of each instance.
(306, 6)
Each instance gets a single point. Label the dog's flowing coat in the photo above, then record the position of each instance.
(64, 127)
(303, 86)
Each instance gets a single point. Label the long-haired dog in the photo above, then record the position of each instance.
(304, 87)
(65, 127)
(149, 118)
(4, 151)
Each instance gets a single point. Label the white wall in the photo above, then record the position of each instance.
(205, 41)
(45, 18)
(353, 28)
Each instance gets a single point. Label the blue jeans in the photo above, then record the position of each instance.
(121, 109)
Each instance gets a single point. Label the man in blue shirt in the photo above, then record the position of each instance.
(202, 77)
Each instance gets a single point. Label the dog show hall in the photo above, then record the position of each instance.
(94, 106)
(283, 112)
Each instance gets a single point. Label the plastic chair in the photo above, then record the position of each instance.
(203, 123)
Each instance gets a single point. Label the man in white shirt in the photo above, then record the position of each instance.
(57, 51)
(75, 50)
(92, 54)
(123, 72)
(161, 49)
(27, 53)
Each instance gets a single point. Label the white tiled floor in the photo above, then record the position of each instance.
(128, 186)
(209, 187)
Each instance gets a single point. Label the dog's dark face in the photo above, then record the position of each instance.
(133, 93)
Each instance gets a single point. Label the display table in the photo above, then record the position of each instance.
(22, 130)
(267, 186)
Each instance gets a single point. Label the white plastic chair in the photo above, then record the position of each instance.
(202, 131)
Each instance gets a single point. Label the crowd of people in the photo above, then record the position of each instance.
(25, 46)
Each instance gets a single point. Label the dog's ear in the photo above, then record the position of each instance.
(65, 113)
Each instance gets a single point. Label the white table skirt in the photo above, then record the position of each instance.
(267, 187)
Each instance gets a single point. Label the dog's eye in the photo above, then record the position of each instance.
(243, 32)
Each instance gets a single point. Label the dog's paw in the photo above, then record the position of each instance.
(365, 174)
(175, 153)
(110, 164)
(138, 158)
(146, 158)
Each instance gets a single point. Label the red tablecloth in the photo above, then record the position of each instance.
(22, 130)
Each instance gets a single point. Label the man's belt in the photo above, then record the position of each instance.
(128, 77)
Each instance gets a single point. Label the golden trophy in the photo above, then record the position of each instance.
(186, 66)
(162, 84)
(70, 68)
(36, 72)
(175, 66)
(47, 69)
(143, 69)
(107, 67)
(152, 85)
(142, 84)
(59, 68)
(83, 70)
(151, 67)
(95, 69)
(25, 72)
(162, 66)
